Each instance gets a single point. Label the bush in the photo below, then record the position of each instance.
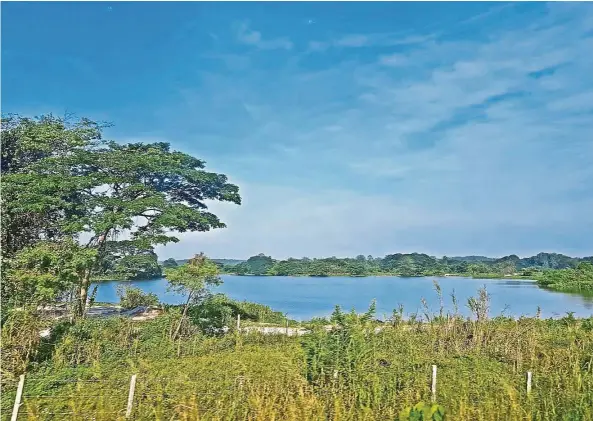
(217, 311)
(131, 297)
(20, 341)
(423, 412)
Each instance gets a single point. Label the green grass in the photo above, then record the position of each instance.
(350, 373)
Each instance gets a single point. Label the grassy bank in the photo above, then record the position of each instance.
(349, 373)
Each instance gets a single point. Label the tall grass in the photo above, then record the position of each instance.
(360, 370)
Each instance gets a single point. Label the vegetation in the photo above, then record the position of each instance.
(131, 297)
(124, 260)
(61, 180)
(217, 311)
(170, 263)
(413, 264)
(423, 412)
(360, 369)
(76, 208)
(192, 280)
(578, 280)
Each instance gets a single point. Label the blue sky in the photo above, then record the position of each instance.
(351, 128)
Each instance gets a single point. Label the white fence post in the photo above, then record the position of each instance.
(529, 382)
(238, 322)
(434, 383)
(131, 396)
(17, 399)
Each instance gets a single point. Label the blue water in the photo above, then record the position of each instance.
(302, 298)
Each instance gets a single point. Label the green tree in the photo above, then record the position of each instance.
(318, 267)
(106, 190)
(357, 268)
(42, 273)
(132, 297)
(478, 268)
(170, 263)
(24, 143)
(193, 280)
(259, 265)
(138, 266)
(123, 260)
(407, 267)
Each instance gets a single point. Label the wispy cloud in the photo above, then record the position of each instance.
(248, 36)
(368, 40)
(449, 130)
(453, 144)
(394, 60)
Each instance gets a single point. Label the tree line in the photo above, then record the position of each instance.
(408, 265)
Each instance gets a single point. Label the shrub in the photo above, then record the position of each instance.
(423, 412)
(131, 297)
(20, 341)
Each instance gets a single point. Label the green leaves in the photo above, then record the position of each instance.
(423, 412)
(196, 275)
(579, 279)
(65, 180)
(39, 274)
(131, 297)
(170, 263)
(108, 186)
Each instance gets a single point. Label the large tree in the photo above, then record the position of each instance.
(104, 191)
(24, 143)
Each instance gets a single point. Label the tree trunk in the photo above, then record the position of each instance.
(85, 281)
(182, 315)
(84, 292)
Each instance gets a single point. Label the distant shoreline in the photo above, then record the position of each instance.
(449, 275)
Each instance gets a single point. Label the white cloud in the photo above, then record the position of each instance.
(394, 60)
(369, 40)
(454, 146)
(248, 36)
(353, 41)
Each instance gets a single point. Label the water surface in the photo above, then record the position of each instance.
(303, 298)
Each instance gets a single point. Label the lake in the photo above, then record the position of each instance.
(302, 298)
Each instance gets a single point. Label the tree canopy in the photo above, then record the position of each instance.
(100, 193)
(170, 263)
(402, 264)
(193, 280)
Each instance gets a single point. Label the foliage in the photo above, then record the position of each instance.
(407, 265)
(358, 370)
(193, 277)
(217, 311)
(336, 353)
(26, 142)
(193, 280)
(42, 273)
(20, 341)
(255, 265)
(124, 260)
(423, 412)
(579, 279)
(130, 297)
(105, 189)
(170, 263)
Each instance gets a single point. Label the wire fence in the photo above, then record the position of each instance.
(128, 395)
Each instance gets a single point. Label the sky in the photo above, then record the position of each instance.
(350, 128)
